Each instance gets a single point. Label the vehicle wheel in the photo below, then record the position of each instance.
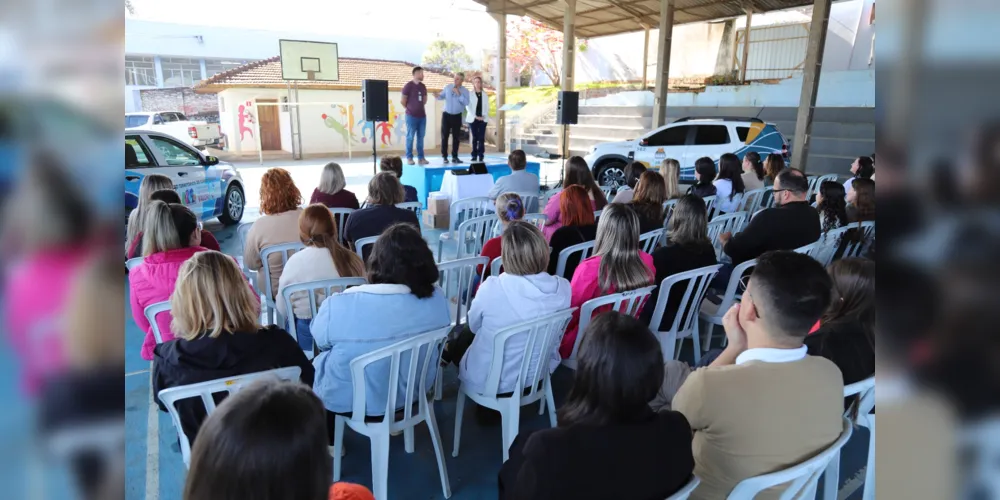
(232, 211)
(611, 173)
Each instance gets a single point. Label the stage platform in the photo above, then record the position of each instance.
(427, 178)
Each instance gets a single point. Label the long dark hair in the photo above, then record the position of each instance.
(620, 369)
(864, 189)
(401, 257)
(633, 172)
(773, 165)
(706, 169)
(318, 229)
(853, 294)
(833, 208)
(578, 173)
(730, 167)
(688, 223)
(650, 193)
(866, 168)
(758, 167)
(269, 441)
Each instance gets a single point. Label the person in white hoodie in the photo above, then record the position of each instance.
(524, 291)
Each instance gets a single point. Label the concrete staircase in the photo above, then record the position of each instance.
(597, 124)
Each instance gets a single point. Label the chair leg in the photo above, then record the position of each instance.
(459, 414)
(510, 415)
(438, 382)
(708, 336)
(696, 343)
(338, 446)
(667, 347)
(550, 400)
(831, 478)
(440, 250)
(432, 426)
(408, 439)
(380, 465)
(869, 492)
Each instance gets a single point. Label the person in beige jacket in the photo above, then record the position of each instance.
(279, 223)
(764, 405)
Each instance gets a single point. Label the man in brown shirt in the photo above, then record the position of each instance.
(764, 405)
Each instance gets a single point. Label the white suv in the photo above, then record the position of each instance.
(686, 140)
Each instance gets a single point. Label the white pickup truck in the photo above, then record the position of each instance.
(196, 134)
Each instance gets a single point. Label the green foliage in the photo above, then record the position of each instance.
(445, 55)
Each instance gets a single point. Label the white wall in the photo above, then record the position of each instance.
(864, 40)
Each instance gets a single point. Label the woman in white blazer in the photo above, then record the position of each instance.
(477, 116)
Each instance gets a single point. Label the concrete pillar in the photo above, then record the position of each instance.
(746, 47)
(665, 39)
(501, 79)
(158, 68)
(645, 59)
(810, 83)
(569, 58)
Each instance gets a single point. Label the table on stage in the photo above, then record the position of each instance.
(459, 187)
(429, 178)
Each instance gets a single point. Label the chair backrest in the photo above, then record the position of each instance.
(768, 200)
(541, 338)
(531, 202)
(585, 249)
(206, 390)
(473, 233)
(668, 210)
(710, 206)
(538, 220)
(650, 240)
(340, 216)
(359, 246)
(828, 244)
(733, 288)
(597, 214)
(468, 208)
(607, 191)
(857, 247)
(812, 249)
(241, 231)
(496, 267)
(697, 286)
(866, 390)
(316, 292)
(686, 491)
(284, 250)
(803, 477)
(133, 263)
(416, 355)
(150, 312)
(725, 223)
(751, 201)
(816, 182)
(629, 303)
(457, 279)
(413, 206)
(813, 182)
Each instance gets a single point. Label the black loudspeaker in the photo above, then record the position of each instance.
(375, 100)
(567, 108)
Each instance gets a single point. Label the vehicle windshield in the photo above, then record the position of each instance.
(135, 120)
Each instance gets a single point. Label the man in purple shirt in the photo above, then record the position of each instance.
(414, 98)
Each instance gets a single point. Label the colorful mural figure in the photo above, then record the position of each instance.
(337, 127)
(246, 119)
(348, 113)
(366, 130)
(386, 132)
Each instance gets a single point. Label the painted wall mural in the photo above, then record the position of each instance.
(247, 120)
(389, 134)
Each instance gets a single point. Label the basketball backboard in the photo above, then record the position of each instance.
(304, 60)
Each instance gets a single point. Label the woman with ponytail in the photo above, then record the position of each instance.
(323, 258)
(753, 171)
(510, 208)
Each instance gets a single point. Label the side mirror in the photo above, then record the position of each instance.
(210, 160)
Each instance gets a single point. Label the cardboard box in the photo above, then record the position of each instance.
(437, 204)
(436, 221)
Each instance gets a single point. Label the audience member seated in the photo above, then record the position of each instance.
(670, 169)
(323, 258)
(609, 443)
(394, 164)
(633, 171)
(578, 227)
(278, 224)
(861, 201)
(831, 205)
(384, 192)
(687, 248)
(618, 265)
(523, 292)
(169, 196)
(331, 192)
(266, 441)
(510, 208)
(792, 223)
(519, 180)
(862, 168)
(729, 186)
(171, 238)
(753, 171)
(773, 165)
(846, 332)
(650, 193)
(400, 301)
(765, 405)
(704, 174)
(215, 320)
(151, 183)
(577, 173)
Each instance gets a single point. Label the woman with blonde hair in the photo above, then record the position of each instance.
(773, 165)
(331, 192)
(618, 265)
(650, 193)
(278, 224)
(150, 184)
(671, 172)
(510, 208)
(218, 335)
(323, 258)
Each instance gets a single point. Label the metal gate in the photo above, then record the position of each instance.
(776, 52)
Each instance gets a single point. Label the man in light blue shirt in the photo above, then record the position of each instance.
(456, 98)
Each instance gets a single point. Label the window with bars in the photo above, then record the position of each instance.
(139, 71)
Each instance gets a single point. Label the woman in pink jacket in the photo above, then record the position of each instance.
(170, 236)
(577, 173)
(618, 265)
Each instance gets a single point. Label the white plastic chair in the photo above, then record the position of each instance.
(458, 280)
(463, 210)
(685, 322)
(538, 339)
(866, 403)
(150, 312)
(473, 233)
(133, 263)
(241, 232)
(359, 246)
(340, 216)
(751, 201)
(496, 267)
(686, 491)
(531, 202)
(728, 299)
(768, 200)
(629, 303)
(710, 206)
(651, 240)
(859, 248)
(597, 214)
(816, 182)
(585, 249)
(316, 291)
(725, 223)
(416, 356)
(206, 390)
(812, 249)
(284, 250)
(827, 245)
(538, 220)
(413, 206)
(668, 210)
(803, 477)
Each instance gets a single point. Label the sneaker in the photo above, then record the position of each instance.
(445, 159)
(423, 161)
(409, 161)
(456, 159)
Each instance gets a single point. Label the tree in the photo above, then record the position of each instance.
(532, 45)
(129, 7)
(445, 55)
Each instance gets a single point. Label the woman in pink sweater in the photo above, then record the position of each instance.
(618, 265)
(577, 173)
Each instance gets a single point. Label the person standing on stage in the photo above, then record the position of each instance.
(456, 98)
(414, 98)
(477, 115)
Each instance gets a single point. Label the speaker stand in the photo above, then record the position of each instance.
(374, 154)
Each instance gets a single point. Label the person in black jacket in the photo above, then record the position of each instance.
(704, 174)
(218, 335)
(846, 334)
(609, 443)
(380, 212)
